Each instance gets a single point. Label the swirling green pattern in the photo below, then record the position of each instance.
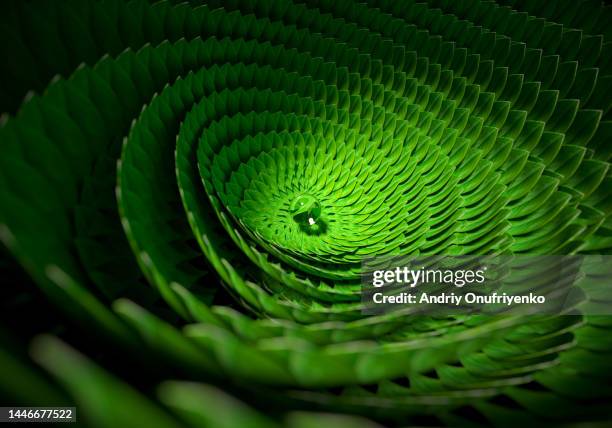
(197, 184)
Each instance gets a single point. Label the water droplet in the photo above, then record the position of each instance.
(305, 210)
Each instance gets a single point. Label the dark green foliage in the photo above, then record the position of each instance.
(148, 187)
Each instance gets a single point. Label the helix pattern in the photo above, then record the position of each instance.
(201, 182)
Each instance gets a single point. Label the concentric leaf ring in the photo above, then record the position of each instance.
(244, 158)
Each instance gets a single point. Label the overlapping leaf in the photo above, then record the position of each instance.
(176, 154)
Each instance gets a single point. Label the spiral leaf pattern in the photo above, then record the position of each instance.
(201, 182)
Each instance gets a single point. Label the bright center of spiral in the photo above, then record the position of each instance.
(305, 209)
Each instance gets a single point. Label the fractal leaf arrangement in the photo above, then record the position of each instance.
(188, 191)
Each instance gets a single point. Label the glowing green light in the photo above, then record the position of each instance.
(305, 210)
